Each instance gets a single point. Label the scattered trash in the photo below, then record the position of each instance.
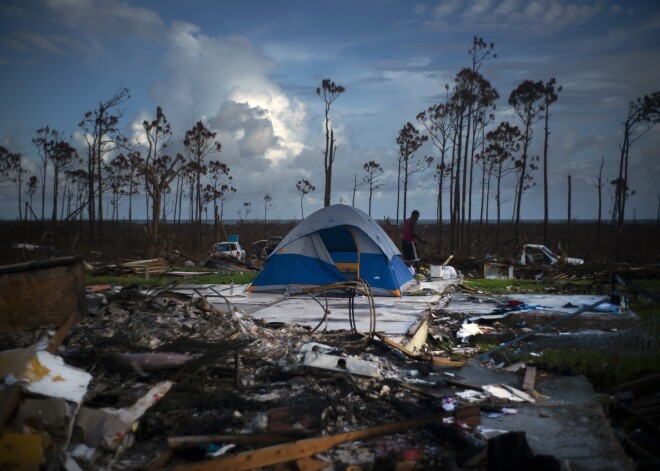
(164, 379)
(43, 373)
(342, 364)
(468, 330)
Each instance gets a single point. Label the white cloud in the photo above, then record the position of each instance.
(226, 81)
(108, 17)
(446, 8)
(532, 16)
(40, 42)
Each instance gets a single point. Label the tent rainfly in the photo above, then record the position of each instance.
(335, 244)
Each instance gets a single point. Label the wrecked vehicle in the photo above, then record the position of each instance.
(231, 250)
(533, 254)
(263, 248)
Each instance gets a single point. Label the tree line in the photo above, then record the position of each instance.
(114, 170)
(464, 135)
(185, 186)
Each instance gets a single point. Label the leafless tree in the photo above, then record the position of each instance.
(527, 101)
(438, 122)
(409, 141)
(220, 183)
(157, 169)
(329, 91)
(33, 183)
(568, 219)
(117, 174)
(12, 171)
(62, 155)
(504, 144)
(599, 187)
(643, 114)
(225, 194)
(44, 143)
(374, 171)
(550, 96)
(198, 144)
(158, 175)
(101, 130)
(356, 185)
(267, 205)
(304, 187)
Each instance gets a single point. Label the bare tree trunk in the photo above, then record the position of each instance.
(568, 223)
(398, 198)
(457, 187)
(405, 188)
(599, 186)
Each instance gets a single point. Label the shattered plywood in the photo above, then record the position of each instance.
(41, 293)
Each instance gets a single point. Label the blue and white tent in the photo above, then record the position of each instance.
(335, 244)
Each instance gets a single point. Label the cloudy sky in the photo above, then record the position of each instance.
(250, 69)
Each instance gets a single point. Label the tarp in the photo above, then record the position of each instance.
(335, 244)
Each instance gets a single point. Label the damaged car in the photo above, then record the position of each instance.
(534, 254)
(263, 248)
(230, 250)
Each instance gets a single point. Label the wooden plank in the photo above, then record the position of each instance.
(64, 329)
(530, 377)
(418, 334)
(446, 362)
(396, 345)
(436, 361)
(177, 443)
(310, 464)
(303, 448)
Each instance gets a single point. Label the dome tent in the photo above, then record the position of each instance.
(335, 244)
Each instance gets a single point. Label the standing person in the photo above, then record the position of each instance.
(410, 255)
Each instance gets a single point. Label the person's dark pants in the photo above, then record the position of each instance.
(409, 251)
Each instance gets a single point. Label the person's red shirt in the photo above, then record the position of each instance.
(409, 230)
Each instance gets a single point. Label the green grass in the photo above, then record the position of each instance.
(604, 368)
(504, 286)
(212, 278)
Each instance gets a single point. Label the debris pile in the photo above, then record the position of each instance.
(161, 379)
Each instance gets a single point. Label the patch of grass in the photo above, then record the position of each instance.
(646, 311)
(604, 369)
(212, 278)
(505, 286)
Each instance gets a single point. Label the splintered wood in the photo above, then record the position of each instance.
(302, 449)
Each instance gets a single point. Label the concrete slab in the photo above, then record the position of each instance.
(392, 316)
(567, 421)
(395, 316)
(546, 308)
